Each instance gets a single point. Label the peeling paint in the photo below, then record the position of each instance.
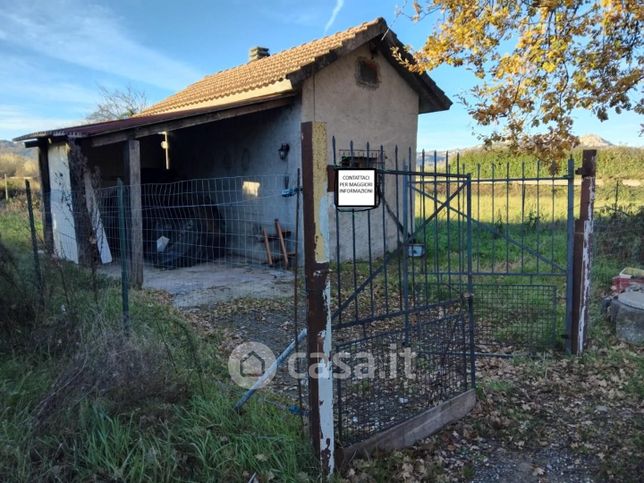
(316, 265)
(583, 256)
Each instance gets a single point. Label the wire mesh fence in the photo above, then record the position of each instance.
(522, 217)
(92, 238)
(619, 223)
(389, 381)
(233, 220)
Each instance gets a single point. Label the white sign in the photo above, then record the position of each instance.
(356, 188)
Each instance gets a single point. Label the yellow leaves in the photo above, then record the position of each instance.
(549, 67)
(537, 61)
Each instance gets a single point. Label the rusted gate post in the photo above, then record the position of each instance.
(582, 253)
(316, 269)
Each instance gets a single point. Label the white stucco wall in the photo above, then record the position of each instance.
(386, 115)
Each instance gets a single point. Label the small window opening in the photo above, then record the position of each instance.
(359, 159)
(367, 73)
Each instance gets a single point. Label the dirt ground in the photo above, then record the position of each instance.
(555, 419)
(207, 284)
(552, 418)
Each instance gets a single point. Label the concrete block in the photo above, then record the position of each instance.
(627, 312)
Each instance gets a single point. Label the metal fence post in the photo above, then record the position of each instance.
(582, 252)
(404, 250)
(6, 188)
(570, 226)
(316, 269)
(125, 284)
(470, 282)
(34, 244)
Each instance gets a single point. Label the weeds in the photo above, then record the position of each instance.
(80, 401)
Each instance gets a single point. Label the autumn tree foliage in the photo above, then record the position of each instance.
(537, 61)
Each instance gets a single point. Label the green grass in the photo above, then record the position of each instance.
(202, 439)
(80, 402)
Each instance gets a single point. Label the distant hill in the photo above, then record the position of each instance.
(593, 141)
(19, 149)
(16, 160)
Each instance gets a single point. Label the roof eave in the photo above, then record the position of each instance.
(141, 126)
(431, 97)
(306, 71)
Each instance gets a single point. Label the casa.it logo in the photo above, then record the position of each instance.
(248, 362)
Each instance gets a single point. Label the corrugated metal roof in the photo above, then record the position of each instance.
(101, 128)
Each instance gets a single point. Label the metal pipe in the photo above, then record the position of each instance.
(570, 233)
(271, 370)
(404, 254)
(125, 284)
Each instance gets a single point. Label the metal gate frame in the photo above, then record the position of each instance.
(536, 296)
(326, 325)
(436, 325)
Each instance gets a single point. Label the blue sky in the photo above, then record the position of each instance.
(55, 53)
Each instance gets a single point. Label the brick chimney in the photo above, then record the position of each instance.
(257, 53)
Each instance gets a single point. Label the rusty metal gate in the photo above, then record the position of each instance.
(403, 331)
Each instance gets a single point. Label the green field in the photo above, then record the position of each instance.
(613, 162)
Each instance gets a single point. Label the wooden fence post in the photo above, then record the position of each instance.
(582, 252)
(45, 194)
(132, 169)
(316, 269)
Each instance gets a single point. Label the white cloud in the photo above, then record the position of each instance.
(16, 121)
(90, 36)
(336, 10)
(21, 79)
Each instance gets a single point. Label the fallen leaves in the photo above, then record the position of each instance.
(569, 418)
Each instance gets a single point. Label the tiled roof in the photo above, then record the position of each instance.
(265, 71)
(263, 81)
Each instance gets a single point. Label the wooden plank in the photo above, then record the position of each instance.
(419, 427)
(45, 194)
(280, 237)
(267, 245)
(132, 170)
(188, 121)
(96, 222)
